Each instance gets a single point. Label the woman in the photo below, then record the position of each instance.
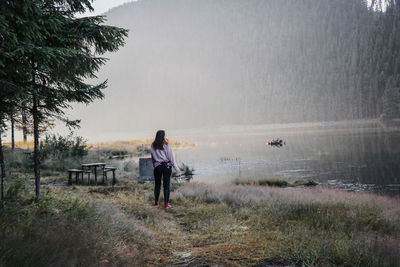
(163, 161)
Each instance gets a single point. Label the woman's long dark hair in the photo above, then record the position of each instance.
(158, 142)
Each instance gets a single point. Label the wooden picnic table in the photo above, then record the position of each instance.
(77, 174)
(110, 169)
(94, 166)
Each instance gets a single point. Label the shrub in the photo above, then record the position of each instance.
(305, 183)
(143, 150)
(187, 171)
(19, 160)
(59, 147)
(239, 181)
(114, 153)
(15, 188)
(129, 166)
(273, 182)
(117, 154)
(60, 164)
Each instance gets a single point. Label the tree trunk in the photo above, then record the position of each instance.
(3, 170)
(24, 124)
(12, 131)
(36, 154)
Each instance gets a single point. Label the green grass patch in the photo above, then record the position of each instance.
(275, 182)
(305, 183)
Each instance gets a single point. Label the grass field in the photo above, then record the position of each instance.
(208, 225)
(243, 224)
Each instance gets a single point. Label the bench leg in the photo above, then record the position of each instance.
(104, 177)
(95, 175)
(77, 177)
(88, 178)
(113, 177)
(69, 177)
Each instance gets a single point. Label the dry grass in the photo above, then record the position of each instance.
(133, 145)
(65, 230)
(304, 227)
(225, 225)
(130, 145)
(21, 144)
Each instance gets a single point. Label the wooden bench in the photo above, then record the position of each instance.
(77, 173)
(93, 167)
(109, 169)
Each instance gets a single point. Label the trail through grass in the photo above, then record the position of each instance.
(225, 225)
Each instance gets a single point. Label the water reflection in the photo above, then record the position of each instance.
(357, 159)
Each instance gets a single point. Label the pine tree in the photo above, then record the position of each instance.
(9, 94)
(59, 52)
(391, 104)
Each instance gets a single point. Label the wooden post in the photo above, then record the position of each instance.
(113, 177)
(95, 175)
(69, 177)
(104, 174)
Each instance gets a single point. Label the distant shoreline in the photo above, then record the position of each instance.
(282, 128)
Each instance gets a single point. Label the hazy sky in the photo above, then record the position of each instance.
(102, 6)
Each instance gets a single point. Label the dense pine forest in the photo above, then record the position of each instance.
(240, 61)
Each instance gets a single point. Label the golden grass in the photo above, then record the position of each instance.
(129, 145)
(133, 145)
(21, 144)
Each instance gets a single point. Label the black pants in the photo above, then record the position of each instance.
(166, 175)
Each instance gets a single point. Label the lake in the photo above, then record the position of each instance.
(357, 156)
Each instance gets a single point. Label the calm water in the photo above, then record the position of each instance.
(357, 157)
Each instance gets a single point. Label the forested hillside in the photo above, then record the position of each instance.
(212, 62)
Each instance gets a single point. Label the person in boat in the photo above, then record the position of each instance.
(163, 162)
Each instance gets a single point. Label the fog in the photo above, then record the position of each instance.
(202, 63)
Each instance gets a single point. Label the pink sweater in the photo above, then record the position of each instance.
(165, 155)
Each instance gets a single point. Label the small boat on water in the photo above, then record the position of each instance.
(276, 142)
